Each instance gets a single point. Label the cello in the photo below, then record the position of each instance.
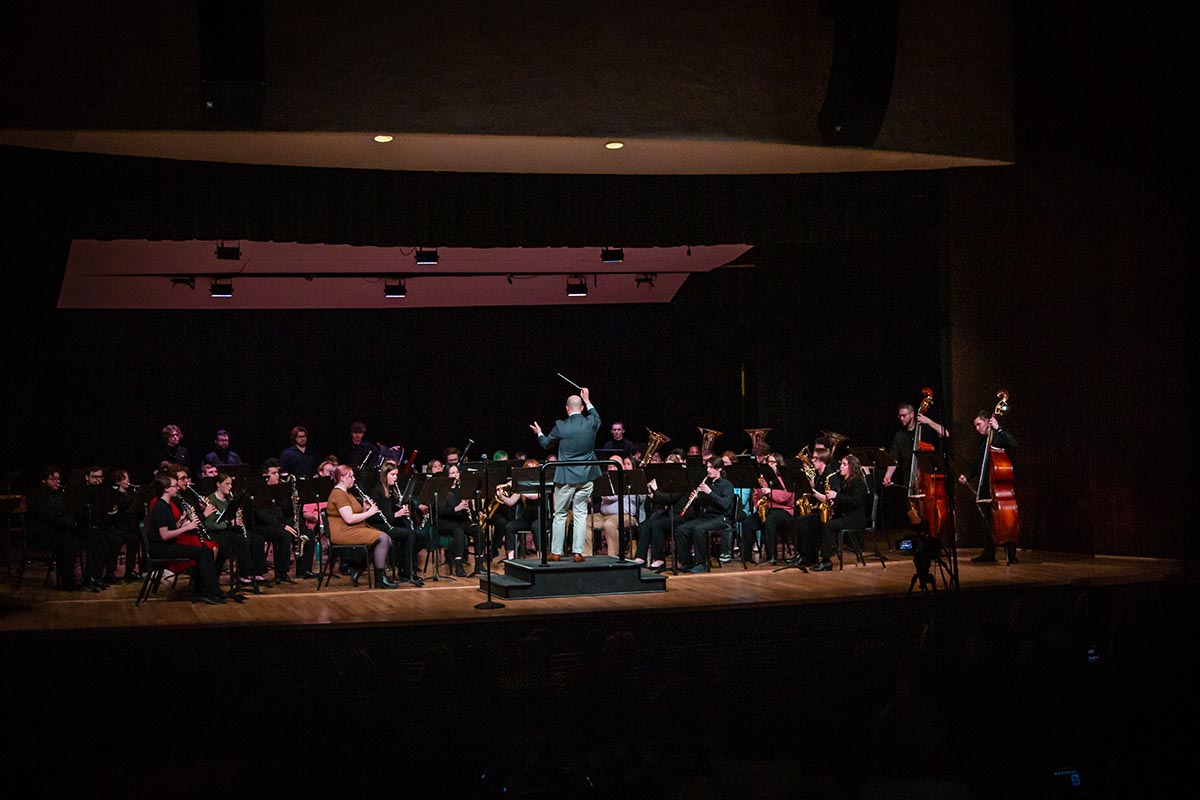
(927, 501)
(1001, 501)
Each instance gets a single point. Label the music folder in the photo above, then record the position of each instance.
(743, 475)
(670, 478)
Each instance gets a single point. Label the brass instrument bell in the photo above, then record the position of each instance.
(656, 440)
(707, 437)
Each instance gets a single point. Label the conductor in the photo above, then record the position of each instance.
(576, 437)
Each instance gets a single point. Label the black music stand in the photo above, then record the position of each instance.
(635, 484)
(435, 487)
(526, 481)
(671, 478)
(744, 475)
(794, 479)
(488, 472)
(315, 490)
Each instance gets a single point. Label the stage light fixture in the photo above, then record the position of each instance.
(427, 258)
(395, 288)
(646, 279)
(577, 286)
(610, 255)
(229, 252)
(221, 287)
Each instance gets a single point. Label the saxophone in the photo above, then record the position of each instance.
(802, 502)
(763, 502)
(826, 504)
(505, 489)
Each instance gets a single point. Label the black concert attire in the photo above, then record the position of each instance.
(849, 512)
(653, 530)
(90, 504)
(363, 456)
(624, 446)
(49, 525)
(269, 521)
(251, 548)
(400, 530)
(204, 571)
(713, 513)
(175, 455)
(301, 463)
(523, 516)
(1006, 442)
(457, 525)
(221, 458)
(781, 507)
(123, 532)
(894, 499)
(808, 526)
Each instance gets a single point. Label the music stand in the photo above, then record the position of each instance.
(794, 479)
(435, 487)
(671, 478)
(744, 475)
(315, 491)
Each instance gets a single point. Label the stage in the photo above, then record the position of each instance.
(452, 600)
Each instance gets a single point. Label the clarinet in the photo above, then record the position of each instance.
(692, 498)
(362, 498)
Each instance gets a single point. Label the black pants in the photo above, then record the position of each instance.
(695, 533)
(119, 536)
(808, 531)
(652, 536)
(204, 573)
(281, 546)
(457, 531)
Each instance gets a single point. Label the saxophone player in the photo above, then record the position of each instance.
(775, 507)
(808, 525)
(848, 506)
(714, 499)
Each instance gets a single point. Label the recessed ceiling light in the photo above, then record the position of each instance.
(383, 138)
(614, 145)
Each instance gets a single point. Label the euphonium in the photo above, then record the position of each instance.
(656, 440)
(707, 437)
(757, 436)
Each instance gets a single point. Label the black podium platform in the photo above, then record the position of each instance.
(526, 578)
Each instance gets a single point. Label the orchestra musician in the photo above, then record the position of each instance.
(273, 521)
(652, 532)
(576, 438)
(780, 507)
(399, 526)
(91, 504)
(808, 526)
(124, 527)
(172, 452)
(607, 518)
(456, 520)
(715, 502)
(298, 459)
(895, 501)
(221, 455)
(359, 453)
(50, 526)
(251, 548)
(1005, 441)
(167, 523)
(348, 519)
(521, 513)
(849, 499)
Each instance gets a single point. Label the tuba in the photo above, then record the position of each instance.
(835, 441)
(656, 440)
(757, 436)
(707, 437)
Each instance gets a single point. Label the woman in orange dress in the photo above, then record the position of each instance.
(348, 525)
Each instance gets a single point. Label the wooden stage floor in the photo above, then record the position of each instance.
(33, 608)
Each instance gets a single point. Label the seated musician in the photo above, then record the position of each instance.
(652, 532)
(50, 526)
(455, 519)
(299, 459)
(232, 538)
(607, 518)
(849, 498)
(92, 503)
(751, 527)
(520, 513)
(399, 527)
(124, 527)
(779, 507)
(273, 521)
(808, 525)
(348, 525)
(167, 524)
(715, 502)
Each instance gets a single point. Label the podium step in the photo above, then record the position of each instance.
(527, 578)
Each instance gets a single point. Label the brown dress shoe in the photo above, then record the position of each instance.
(578, 558)
(554, 557)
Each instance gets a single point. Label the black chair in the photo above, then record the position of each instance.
(857, 537)
(152, 569)
(352, 553)
(36, 553)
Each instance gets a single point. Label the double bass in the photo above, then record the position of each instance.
(1000, 513)
(927, 503)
